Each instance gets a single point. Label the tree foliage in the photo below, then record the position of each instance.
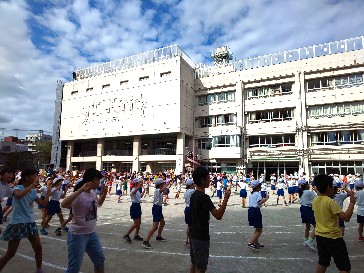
(43, 151)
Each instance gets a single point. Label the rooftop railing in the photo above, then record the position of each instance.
(151, 56)
(341, 46)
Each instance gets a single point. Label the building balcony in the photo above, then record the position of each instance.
(118, 153)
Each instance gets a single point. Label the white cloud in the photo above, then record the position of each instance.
(46, 40)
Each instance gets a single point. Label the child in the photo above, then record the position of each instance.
(82, 236)
(135, 211)
(243, 193)
(53, 207)
(219, 187)
(307, 215)
(158, 219)
(255, 215)
(190, 186)
(280, 191)
(263, 191)
(330, 242)
(200, 208)
(359, 195)
(339, 197)
(291, 189)
(22, 224)
(118, 189)
(5, 190)
(43, 192)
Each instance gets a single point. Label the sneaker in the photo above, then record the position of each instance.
(138, 238)
(146, 245)
(259, 245)
(160, 239)
(58, 231)
(252, 246)
(127, 238)
(361, 239)
(43, 232)
(309, 244)
(66, 229)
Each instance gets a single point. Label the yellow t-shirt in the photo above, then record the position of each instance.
(327, 221)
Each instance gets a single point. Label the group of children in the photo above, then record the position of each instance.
(321, 207)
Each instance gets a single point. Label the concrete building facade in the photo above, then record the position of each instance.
(300, 110)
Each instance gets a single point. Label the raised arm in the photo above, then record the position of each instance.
(345, 216)
(218, 213)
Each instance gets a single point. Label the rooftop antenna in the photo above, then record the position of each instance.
(221, 55)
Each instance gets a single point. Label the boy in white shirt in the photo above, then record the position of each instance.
(359, 195)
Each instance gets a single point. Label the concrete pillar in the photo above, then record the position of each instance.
(239, 104)
(137, 144)
(99, 153)
(70, 148)
(180, 152)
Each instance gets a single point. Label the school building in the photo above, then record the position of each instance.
(298, 110)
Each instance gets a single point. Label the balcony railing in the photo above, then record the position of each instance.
(119, 152)
(85, 153)
(160, 151)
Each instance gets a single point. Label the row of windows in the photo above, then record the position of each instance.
(337, 109)
(337, 138)
(272, 141)
(271, 115)
(269, 91)
(124, 82)
(215, 98)
(219, 120)
(345, 81)
(218, 141)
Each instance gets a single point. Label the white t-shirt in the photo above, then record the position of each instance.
(290, 183)
(55, 194)
(219, 185)
(84, 210)
(43, 190)
(135, 198)
(5, 191)
(242, 185)
(187, 196)
(280, 185)
(359, 195)
(340, 197)
(254, 199)
(307, 198)
(158, 197)
(264, 186)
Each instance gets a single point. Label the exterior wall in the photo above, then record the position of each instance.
(165, 105)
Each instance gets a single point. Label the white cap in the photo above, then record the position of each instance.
(158, 181)
(358, 174)
(189, 182)
(136, 180)
(254, 183)
(59, 178)
(359, 184)
(218, 178)
(334, 184)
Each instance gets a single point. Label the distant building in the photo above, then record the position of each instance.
(32, 139)
(300, 110)
(11, 144)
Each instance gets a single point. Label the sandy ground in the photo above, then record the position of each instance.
(282, 237)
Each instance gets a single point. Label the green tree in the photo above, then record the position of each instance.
(43, 152)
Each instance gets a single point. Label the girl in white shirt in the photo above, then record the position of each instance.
(243, 192)
(190, 185)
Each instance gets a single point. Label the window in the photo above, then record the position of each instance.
(207, 121)
(340, 109)
(270, 90)
(226, 141)
(271, 115)
(219, 120)
(204, 143)
(211, 99)
(145, 78)
(344, 81)
(201, 100)
(165, 74)
(272, 141)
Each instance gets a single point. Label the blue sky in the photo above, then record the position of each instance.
(43, 41)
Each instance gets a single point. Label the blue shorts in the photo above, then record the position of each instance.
(9, 202)
(263, 194)
(360, 219)
(118, 192)
(157, 213)
(351, 186)
(255, 217)
(338, 184)
(307, 215)
(135, 211)
(280, 192)
(187, 215)
(64, 187)
(53, 207)
(273, 187)
(291, 190)
(243, 193)
(219, 194)
(296, 189)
